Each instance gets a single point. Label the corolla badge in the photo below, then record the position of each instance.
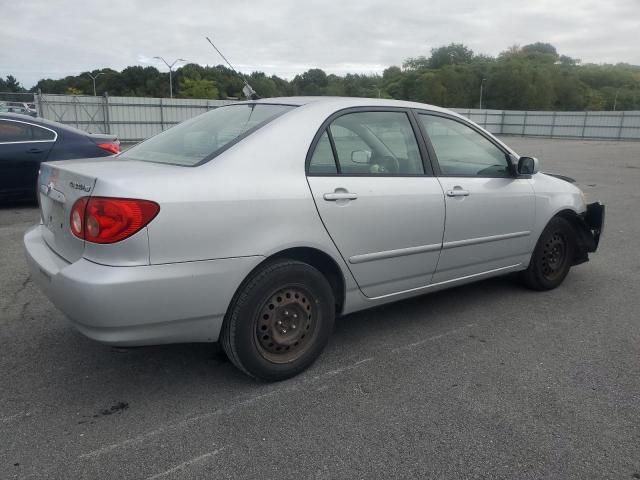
(80, 186)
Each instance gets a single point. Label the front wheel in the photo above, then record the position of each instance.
(552, 257)
(279, 321)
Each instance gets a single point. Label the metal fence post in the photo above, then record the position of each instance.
(502, 122)
(105, 102)
(524, 122)
(621, 126)
(485, 118)
(75, 110)
(161, 115)
(584, 124)
(105, 114)
(553, 123)
(38, 101)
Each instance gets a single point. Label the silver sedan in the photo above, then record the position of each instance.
(257, 223)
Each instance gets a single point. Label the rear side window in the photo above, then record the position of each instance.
(14, 132)
(322, 161)
(202, 137)
(23, 132)
(42, 134)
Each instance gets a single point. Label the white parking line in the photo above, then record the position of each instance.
(186, 464)
(251, 400)
(191, 420)
(411, 346)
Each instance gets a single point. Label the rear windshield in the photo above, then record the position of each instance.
(201, 138)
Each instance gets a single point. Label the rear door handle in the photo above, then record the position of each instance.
(35, 150)
(332, 197)
(457, 192)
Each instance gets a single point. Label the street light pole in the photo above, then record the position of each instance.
(94, 81)
(170, 66)
(481, 85)
(615, 100)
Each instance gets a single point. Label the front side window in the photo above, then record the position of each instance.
(200, 138)
(461, 151)
(372, 143)
(15, 132)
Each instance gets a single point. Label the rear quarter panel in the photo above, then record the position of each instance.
(72, 145)
(253, 199)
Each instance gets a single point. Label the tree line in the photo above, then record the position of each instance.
(529, 77)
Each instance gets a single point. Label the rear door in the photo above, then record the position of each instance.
(490, 213)
(377, 198)
(23, 146)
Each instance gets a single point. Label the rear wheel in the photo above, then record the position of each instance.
(552, 257)
(279, 321)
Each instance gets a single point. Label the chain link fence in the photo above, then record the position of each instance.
(588, 125)
(133, 119)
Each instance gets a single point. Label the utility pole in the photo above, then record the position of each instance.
(94, 81)
(170, 66)
(615, 100)
(481, 85)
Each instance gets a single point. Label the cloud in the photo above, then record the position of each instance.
(53, 38)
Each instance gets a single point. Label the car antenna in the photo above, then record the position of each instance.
(248, 90)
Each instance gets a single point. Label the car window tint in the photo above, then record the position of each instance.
(376, 143)
(42, 133)
(201, 137)
(14, 132)
(461, 151)
(323, 161)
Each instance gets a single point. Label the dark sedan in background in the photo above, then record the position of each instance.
(26, 142)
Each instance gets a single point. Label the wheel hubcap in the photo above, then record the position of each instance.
(553, 256)
(286, 324)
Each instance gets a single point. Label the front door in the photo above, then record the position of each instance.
(382, 211)
(490, 213)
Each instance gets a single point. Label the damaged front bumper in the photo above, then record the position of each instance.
(594, 222)
(589, 228)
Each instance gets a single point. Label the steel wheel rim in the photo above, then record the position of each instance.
(286, 324)
(554, 256)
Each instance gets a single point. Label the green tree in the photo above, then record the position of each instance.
(534, 76)
(12, 85)
(197, 88)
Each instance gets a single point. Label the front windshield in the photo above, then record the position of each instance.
(200, 138)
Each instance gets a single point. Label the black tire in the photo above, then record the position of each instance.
(279, 321)
(552, 257)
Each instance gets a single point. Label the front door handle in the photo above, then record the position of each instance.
(339, 195)
(457, 191)
(34, 150)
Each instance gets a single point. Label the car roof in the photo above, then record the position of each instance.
(346, 102)
(40, 121)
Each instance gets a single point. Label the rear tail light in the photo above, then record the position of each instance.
(110, 220)
(113, 147)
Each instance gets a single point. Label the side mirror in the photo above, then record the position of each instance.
(527, 166)
(360, 156)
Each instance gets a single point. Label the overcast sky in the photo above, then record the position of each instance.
(54, 38)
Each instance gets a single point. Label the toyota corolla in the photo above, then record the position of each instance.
(257, 223)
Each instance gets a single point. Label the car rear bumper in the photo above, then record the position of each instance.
(142, 305)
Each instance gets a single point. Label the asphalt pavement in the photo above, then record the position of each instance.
(488, 380)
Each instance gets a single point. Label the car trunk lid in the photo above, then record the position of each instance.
(108, 143)
(58, 189)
